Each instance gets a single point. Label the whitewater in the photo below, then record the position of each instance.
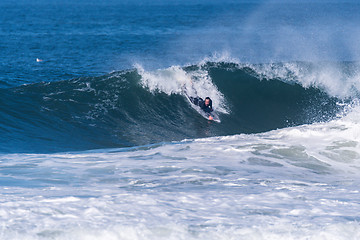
(99, 141)
(294, 183)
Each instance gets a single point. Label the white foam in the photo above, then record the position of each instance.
(294, 183)
(170, 80)
(278, 230)
(175, 80)
(330, 77)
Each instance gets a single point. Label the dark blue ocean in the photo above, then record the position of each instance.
(99, 141)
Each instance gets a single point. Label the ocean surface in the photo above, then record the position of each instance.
(99, 141)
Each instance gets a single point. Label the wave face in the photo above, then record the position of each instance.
(136, 107)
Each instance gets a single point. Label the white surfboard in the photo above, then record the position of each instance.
(215, 116)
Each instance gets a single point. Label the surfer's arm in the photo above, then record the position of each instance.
(210, 116)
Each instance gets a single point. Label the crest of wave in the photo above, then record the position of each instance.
(175, 80)
(336, 79)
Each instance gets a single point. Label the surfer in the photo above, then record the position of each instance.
(205, 105)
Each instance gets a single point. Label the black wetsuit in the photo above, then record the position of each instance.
(201, 103)
(208, 108)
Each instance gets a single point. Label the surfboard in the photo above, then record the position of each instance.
(214, 115)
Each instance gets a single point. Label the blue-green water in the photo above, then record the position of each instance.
(98, 140)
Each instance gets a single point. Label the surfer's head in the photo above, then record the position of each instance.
(208, 101)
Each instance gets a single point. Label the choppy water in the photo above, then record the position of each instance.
(98, 140)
